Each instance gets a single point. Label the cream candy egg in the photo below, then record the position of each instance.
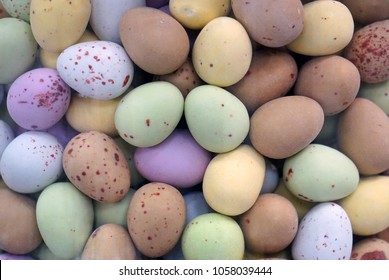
(31, 162)
(324, 233)
(96, 69)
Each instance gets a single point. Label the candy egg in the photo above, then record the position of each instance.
(65, 219)
(324, 233)
(97, 167)
(41, 165)
(149, 113)
(17, 8)
(208, 110)
(370, 249)
(6, 135)
(328, 28)
(38, 99)
(18, 49)
(233, 180)
(222, 52)
(58, 24)
(96, 69)
(378, 93)
(320, 173)
(156, 218)
(366, 12)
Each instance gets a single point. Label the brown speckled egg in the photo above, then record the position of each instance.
(156, 218)
(284, 126)
(369, 51)
(19, 233)
(154, 40)
(109, 242)
(270, 225)
(332, 80)
(366, 12)
(272, 73)
(97, 167)
(363, 133)
(370, 249)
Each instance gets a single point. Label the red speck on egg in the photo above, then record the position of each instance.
(126, 79)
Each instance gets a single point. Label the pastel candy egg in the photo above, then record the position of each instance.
(320, 173)
(38, 99)
(94, 163)
(222, 52)
(58, 24)
(18, 49)
(366, 12)
(65, 219)
(96, 69)
(328, 28)
(233, 180)
(368, 205)
(178, 161)
(324, 233)
(18, 8)
(105, 17)
(370, 249)
(205, 238)
(31, 162)
(149, 113)
(378, 93)
(217, 119)
(6, 135)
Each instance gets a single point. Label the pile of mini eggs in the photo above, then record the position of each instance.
(224, 129)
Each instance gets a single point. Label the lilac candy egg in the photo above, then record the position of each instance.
(271, 179)
(179, 161)
(96, 69)
(38, 99)
(6, 256)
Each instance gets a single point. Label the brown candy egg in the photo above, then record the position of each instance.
(370, 249)
(94, 163)
(366, 12)
(156, 218)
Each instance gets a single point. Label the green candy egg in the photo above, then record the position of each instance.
(149, 113)
(18, 49)
(65, 219)
(320, 173)
(213, 236)
(216, 118)
(378, 93)
(17, 8)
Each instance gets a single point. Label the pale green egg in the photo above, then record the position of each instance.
(320, 173)
(17, 8)
(217, 119)
(65, 219)
(149, 113)
(378, 93)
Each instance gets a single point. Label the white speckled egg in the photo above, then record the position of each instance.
(324, 233)
(96, 69)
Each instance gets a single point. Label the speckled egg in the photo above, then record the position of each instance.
(328, 28)
(370, 249)
(205, 238)
(19, 233)
(109, 242)
(156, 218)
(6, 135)
(324, 233)
(65, 219)
(233, 180)
(58, 24)
(270, 23)
(357, 124)
(222, 52)
(17, 8)
(320, 173)
(18, 49)
(38, 99)
(149, 113)
(31, 162)
(378, 93)
(217, 119)
(332, 81)
(368, 205)
(96, 69)
(298, 120)
(154, 40)
(94, 163)
(369, 51)
(178, 161)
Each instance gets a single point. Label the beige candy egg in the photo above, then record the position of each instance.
(156, 218)
(363, 133)
(370, 249)
(94, 163)
(19, 233)
(284, 126)
(109, 242)
(332, 81)
(272, 74)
